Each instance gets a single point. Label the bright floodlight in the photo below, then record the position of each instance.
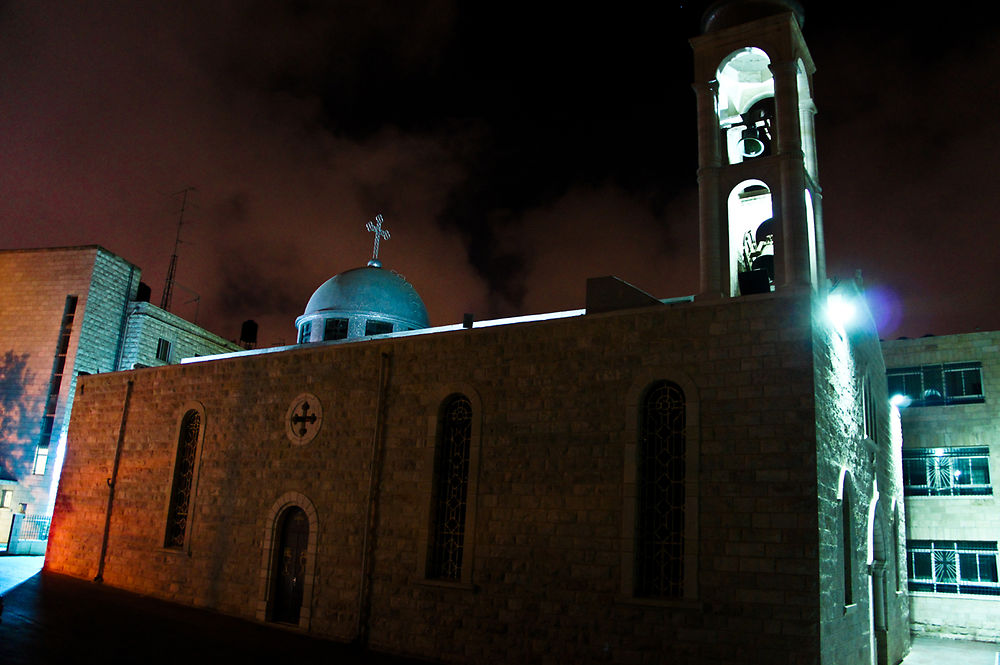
(899, 400)
(841, 310)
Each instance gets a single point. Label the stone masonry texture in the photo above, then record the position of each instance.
(545, 573)
(970, 518)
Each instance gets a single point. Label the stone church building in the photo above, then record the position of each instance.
(712, 479)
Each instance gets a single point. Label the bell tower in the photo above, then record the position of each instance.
(759, 197)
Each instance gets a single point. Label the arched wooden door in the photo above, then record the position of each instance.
(288, 578)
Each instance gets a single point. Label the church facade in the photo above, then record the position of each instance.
(712, 479)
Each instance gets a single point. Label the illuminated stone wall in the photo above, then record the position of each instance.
(954, 518)
(33, 295)
(148, 324)
(547, 551)
(33, 290)
(866, 462)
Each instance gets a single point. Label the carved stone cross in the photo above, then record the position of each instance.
(303, 419)
(306, 417)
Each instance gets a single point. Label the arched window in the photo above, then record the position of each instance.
(846, 528)
(450, 490)
(183, 481)
(895, 543)
(660, 493)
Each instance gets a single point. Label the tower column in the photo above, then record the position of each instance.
(714, 270)
(794, 222)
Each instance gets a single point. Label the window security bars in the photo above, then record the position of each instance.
(180, 496)
(963, 567)
(451, 484)
(305, 332)
(946, 472)
(35, 527)
(934, 385)
(660, 479)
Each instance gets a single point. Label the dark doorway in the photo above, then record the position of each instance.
(289, 566)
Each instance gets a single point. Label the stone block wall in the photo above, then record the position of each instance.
(148, 324)
(547, 553)
(32, 300)
(862, 462)
(975, 518)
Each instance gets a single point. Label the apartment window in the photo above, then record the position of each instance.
(377, 327)
(163, 350)
(451, 485)
(6, 498)
(935, 385)
(55, 384)
(660, 493)
(965, 567)
(946, 471)
(305, 332)
(41, 458)
(335, 329)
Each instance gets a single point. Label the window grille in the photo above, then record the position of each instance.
(934, 385)
(451, 483)
(660, 490)
(946, 471)
(163, 350)
(963, 567)
(335, 329)
(180, 495)
(305, 332)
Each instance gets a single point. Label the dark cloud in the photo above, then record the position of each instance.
(514, 149)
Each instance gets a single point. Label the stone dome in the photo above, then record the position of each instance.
(364, 301)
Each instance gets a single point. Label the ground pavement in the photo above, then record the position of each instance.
(51, 619)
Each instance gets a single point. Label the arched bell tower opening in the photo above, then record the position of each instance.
(751, 238)
(759, 194)
(746, 105)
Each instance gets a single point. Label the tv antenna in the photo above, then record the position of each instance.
(168, 287)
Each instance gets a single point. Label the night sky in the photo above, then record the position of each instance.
(513, 149)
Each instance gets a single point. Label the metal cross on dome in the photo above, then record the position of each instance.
(380, 234)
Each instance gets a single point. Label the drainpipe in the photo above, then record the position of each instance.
(112, 481)
(371, 514)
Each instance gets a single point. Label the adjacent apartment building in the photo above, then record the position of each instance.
(947, 389)
(66, 312)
